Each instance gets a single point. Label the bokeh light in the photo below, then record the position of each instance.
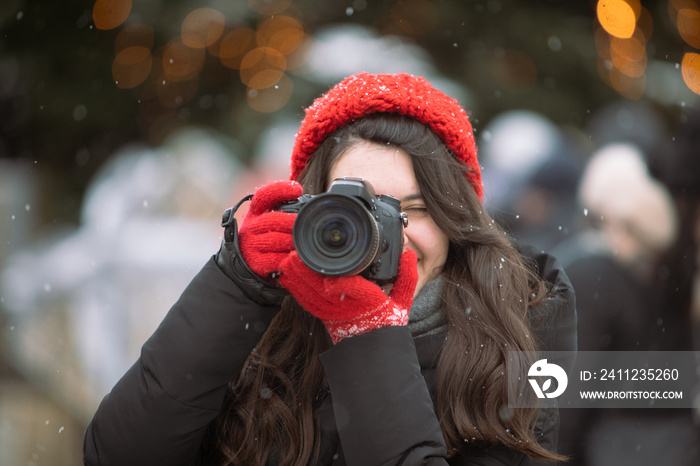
(262, 54)
(202, 27)
(131, 66)
(645, 25)
(110, 14)
(690, 68)
(619, 17)
(234, 46)
(675, 6)
(282, 33)
(628, 55)
(621, 42)
(631, 87)
(262, 67)
(300, 55)
(180, 62)
(272, 98)
(688, 22)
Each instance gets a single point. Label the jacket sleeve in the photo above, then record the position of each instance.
(384, 413)
(160, 409)
(382, 405)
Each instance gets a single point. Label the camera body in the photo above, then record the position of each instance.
(349, 230)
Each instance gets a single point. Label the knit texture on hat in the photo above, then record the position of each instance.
(363, 94)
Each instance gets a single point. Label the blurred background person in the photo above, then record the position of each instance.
(532, 169)
(630, 222)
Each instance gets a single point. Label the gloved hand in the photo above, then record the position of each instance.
(350, 306)
(265, 236)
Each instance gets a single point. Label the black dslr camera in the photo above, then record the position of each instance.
(349, 230)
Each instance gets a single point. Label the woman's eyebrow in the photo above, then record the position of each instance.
(412, 197)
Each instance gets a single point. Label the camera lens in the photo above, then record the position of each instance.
(336, 235)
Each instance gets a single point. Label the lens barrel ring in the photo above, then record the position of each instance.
(336, 235)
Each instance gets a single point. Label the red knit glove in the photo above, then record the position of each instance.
(265, 237)
(350, 306)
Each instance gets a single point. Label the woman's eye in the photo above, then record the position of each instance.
(416, 210)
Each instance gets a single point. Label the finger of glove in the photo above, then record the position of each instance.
(272, 241)
(266, 264)
(268, 222)
(264, 253)
(266, 240)
(407, 279)
(304, 284)
(329, 298)
(356, 289)
(269, 195)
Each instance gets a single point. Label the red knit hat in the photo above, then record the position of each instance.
(403, 94)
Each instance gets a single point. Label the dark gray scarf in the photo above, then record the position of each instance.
(426, 317)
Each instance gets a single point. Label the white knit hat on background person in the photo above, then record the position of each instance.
(617, 186)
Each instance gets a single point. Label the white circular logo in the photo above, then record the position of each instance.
(548, 371)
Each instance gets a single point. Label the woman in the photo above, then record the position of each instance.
(338, 372)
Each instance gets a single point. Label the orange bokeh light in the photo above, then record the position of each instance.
(271, 99)
(619, 17)
(690, 68)
(631, 87)
(132, 66)
(180, 62)
(109, 14)
(675, 6)
(645, 25)
(202, 27)
(262, 67)
(300, 55)
(688, 22)
(628, 55)
(282, 33)
(234, 46)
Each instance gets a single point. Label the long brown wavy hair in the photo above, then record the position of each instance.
(270, 411)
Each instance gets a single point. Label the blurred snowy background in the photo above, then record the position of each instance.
(126, 130)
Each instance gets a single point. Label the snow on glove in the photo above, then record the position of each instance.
(350, 306)
(265, 237)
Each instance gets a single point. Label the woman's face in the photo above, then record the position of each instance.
(389, 170)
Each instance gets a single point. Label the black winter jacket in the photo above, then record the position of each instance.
(379, 410)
